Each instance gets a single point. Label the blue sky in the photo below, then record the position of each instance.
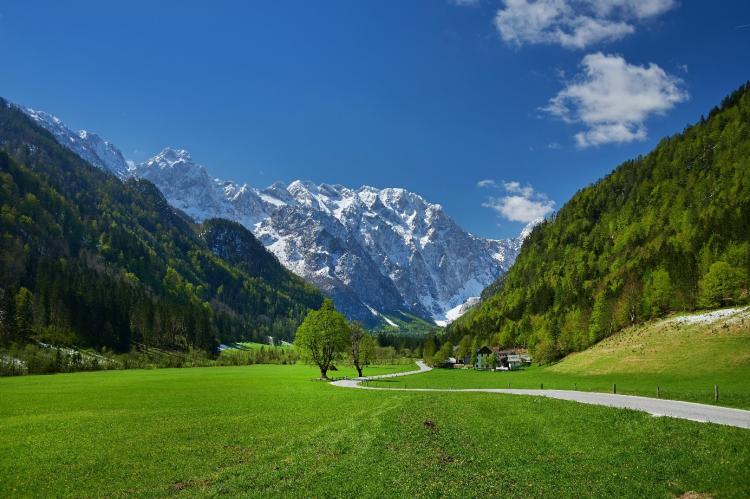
(536, 99)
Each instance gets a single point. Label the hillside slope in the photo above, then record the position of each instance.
(686, 345)
(668, 231)
(90, 260)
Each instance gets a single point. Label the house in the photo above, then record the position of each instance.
(508, 360)
(449, 363)
(500, 360)
(484, 358)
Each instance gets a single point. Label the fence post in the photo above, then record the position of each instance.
(658, 395)
(716, 393)
(542, 386)
(575, 386)
(614, 388)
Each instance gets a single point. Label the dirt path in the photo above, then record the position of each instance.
(657, 407)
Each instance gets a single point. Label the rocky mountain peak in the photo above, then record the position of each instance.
(375, 251)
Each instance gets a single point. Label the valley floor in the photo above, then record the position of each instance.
(270, 430)
(684, 356)
(690, 411)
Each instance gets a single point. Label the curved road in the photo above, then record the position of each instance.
(657, 407)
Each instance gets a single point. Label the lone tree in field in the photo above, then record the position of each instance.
(323, 336)
(362, 347)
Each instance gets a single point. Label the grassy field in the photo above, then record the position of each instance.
(270, 430)
(684, 360)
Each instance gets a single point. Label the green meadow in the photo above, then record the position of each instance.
(269, 430)
(684, 360)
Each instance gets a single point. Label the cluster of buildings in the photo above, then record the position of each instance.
(490, 359)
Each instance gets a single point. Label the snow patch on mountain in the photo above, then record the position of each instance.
(87, 145)
(378, 314)
(457, 311)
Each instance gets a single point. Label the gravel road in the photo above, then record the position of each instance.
(657, 407)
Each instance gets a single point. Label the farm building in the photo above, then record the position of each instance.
(484, 358)
(501, 360)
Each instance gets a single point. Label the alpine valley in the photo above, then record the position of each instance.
(386, 256)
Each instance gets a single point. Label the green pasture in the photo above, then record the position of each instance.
(269, 430)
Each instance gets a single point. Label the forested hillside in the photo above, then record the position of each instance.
(86, 259)
(668, 231)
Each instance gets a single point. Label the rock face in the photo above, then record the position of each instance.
(87, 145)
(374, 251)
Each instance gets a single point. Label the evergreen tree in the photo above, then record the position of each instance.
(24, 313)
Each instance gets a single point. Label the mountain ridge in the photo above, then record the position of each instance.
(373, 250)
(100, 262)
(667, 231)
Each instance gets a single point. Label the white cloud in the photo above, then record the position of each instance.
(521, 204)
(486, 183)
(465, 3)
(573, 24)
(613, 99)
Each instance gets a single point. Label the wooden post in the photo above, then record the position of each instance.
(716, 393)
(575, 386)
(614, 388)
(658, 395)
(542, 386)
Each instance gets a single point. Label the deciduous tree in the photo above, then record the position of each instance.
(323, 336)
(362, 349)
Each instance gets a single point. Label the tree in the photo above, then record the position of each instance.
(600, 318)
(658, 292)
(7, 315)
(323, 336)
(721, 285)
(464, 347)
(474, 348)
(442, 355)
(362, 347)
(24, 313)
(428, 351)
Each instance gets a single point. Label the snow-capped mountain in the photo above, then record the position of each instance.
(374, 251)
(87, 145)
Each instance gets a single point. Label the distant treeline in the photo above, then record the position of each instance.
(43, 358)
(30, 358)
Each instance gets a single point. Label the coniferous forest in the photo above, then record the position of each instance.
(669, 231)
(89, 260)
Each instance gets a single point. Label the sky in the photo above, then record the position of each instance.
(499, 110)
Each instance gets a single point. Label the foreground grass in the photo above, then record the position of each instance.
(269, 430)
(684, 360)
